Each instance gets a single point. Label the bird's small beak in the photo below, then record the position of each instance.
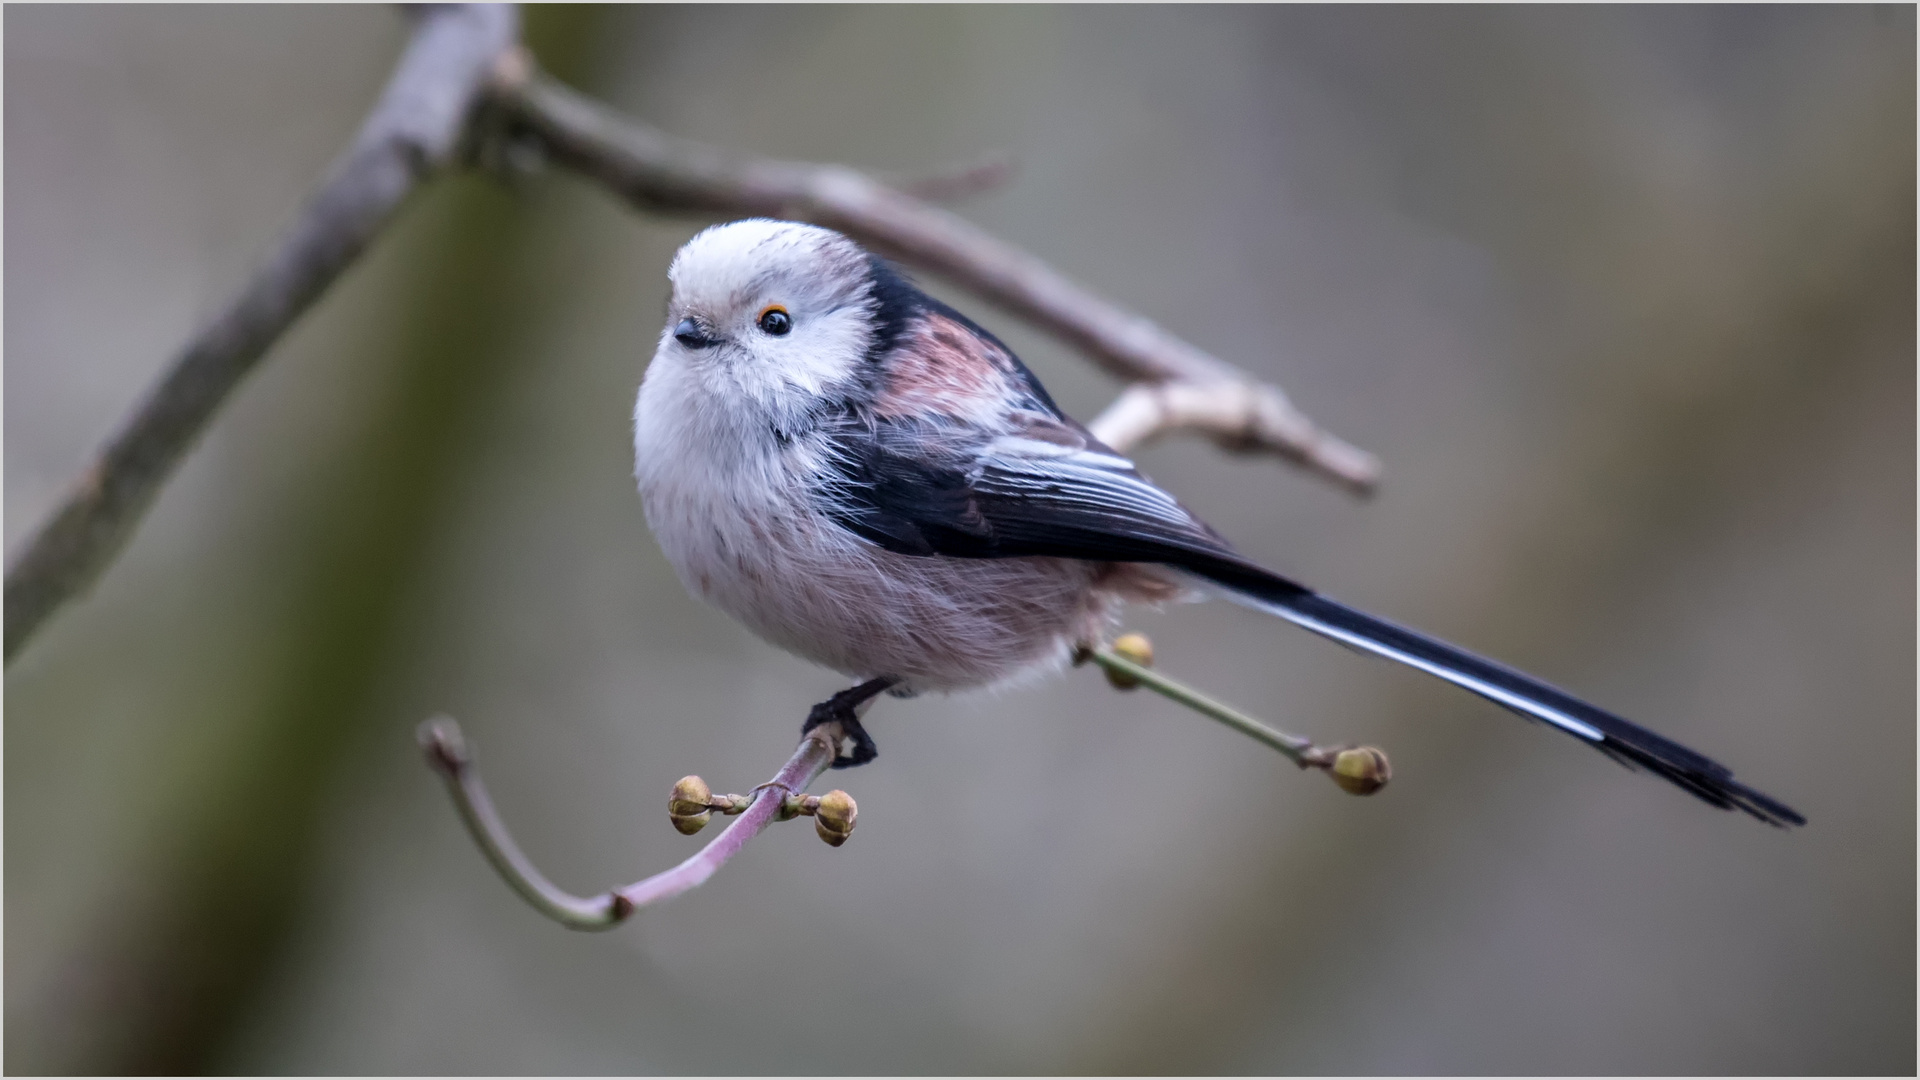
(693, 334)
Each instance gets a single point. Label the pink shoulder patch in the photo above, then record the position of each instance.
(942, 367)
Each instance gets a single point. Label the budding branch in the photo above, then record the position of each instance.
(447, 750)
(466, 93)
(1359, 770)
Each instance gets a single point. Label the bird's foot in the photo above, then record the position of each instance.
(855, 746)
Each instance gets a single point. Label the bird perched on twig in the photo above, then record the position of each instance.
(867, 479)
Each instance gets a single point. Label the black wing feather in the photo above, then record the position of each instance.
(934, 485)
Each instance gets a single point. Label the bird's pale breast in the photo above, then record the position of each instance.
(735, 516)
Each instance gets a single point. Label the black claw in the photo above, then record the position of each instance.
(862, 750)
(856, 746)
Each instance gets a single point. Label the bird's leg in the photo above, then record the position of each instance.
(845, 708)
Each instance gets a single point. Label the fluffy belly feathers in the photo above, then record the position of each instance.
(805, 584)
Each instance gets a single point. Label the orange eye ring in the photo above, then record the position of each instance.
(773, 319)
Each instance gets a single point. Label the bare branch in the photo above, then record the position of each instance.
(415, 130)
(412, 132)
(1242, 417)
(1128, 662)
(658, 172)
(446, 749)
(1360, 770)
(988, 172)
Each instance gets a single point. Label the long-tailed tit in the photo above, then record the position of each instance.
(866, 478)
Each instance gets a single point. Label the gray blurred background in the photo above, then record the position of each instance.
(1624, 298)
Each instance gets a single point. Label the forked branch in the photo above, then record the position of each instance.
(413, 131)
(1360, 770)
(660, 173)
(447, 750)
(1240, 417)
(461, 55)
(423, 119)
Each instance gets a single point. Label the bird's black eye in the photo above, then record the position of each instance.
(775, 320)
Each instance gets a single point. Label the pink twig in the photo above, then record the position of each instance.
(447, 750)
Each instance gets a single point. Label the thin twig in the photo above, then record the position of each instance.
(1357, 770)
(447, 750)
(416, 129)
(957, 182)
(1241, 417)
(661, 173)
(413, 131)
(1301, 751)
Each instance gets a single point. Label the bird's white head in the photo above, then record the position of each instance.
(769, 310)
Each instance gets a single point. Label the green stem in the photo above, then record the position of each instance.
(1300, 751)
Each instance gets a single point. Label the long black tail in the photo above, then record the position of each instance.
(1624, 741)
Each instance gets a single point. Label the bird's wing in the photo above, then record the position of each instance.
(1046, 487)
(1039, 485)
(961, 453)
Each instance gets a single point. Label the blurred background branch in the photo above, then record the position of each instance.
(1241, 417)
(414, 131)
(657, 172)
(1626, 294)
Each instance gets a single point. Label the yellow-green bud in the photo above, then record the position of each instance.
(835, 817)
(1134, 647)
(1361, 770)
(690, 806)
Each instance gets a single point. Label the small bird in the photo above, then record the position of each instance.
(868, 479)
